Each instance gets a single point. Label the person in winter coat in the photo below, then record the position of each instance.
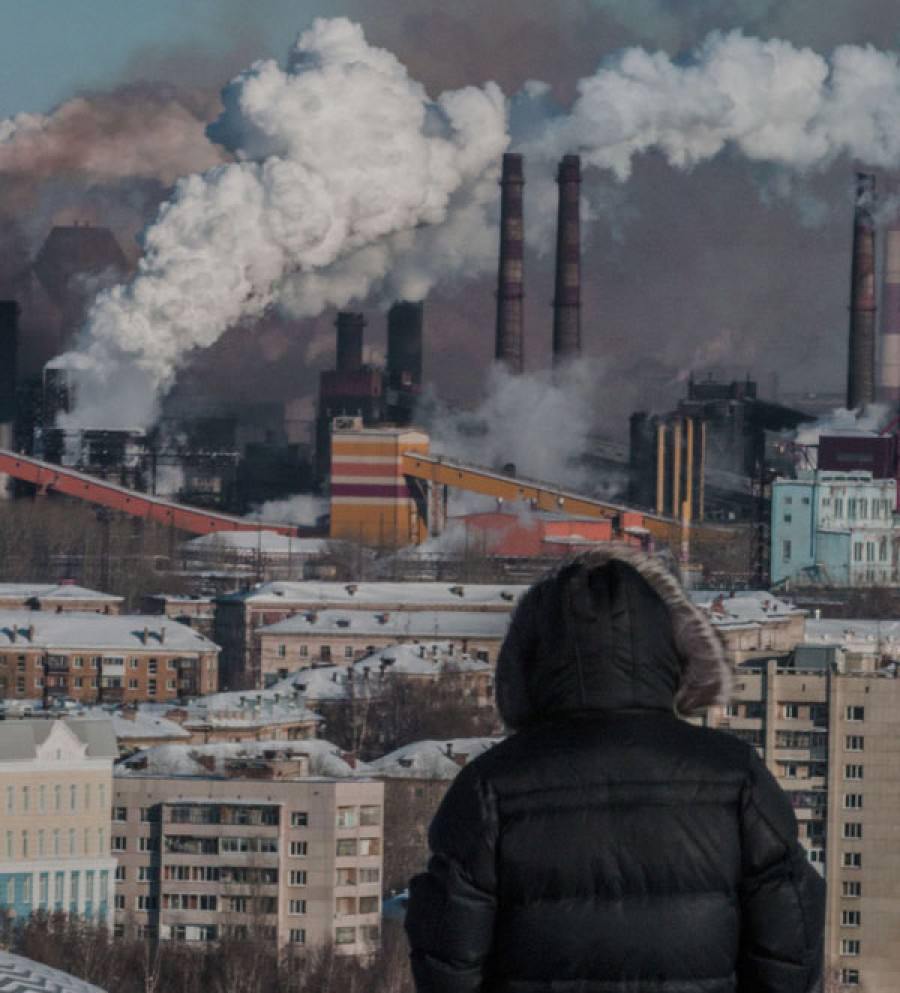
(608, 845)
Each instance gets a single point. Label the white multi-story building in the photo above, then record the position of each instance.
(55, 796)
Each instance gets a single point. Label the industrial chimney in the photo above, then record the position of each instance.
(861, 364)
(567, 301)
(889, 380)
(349, 341)
(510, 277)
(404, 360)
(9, 348)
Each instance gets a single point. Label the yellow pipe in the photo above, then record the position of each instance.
(676, 470)
(660, 468)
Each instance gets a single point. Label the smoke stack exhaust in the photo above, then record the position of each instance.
(349, 341)
(404, 359)
(509, 347)
(567, 301)
(861, 364)
(890, 319)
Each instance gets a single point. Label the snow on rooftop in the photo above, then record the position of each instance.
(743, 607)
(413, 594)
(427, 658)
(431, 759)
(396, 622)
(183, 760)
(53, 591)
(20, 975)
(90, 631)
(140, 723)
(844, 631)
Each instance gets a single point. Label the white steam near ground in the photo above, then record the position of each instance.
(350, 182)
(303, 509)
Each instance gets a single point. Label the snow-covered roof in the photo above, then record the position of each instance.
(99, 632)
(21, 975)
(20, 740)
(411, 595)
(54, 591)
(183, 760)
(141, 723)
(430, 759)
(427, 658)
(855, 634)
(262, 542)
(744, 607)
(397, 623)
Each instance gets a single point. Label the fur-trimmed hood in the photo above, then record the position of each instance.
(610, 630)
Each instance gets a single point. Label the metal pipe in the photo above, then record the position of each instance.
(676, 470)
(660, 468)
(861, 359)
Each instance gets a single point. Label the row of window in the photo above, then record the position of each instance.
(46, 798)
(8, 897)
(858, 508)
(57, 843)
(869, 547)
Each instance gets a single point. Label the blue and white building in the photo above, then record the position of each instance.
(834, 529)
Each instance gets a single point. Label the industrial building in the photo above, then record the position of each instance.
(55, 795)
(296, 862)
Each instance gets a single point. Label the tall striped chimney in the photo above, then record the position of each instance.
(567, 300)
(861, 364)
(510, 277)
(889, 379)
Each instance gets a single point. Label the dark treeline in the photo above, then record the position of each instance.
(132, 965)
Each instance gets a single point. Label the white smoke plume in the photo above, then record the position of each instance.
(350, 180)
(301, 509)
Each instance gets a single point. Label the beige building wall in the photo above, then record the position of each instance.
(55, 828)
(313, 874)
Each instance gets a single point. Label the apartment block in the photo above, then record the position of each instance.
(58, 598)
(55, 792)
(295, 862)
(832, 739)
(102, 659)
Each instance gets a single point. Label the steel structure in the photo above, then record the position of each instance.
(57, 479)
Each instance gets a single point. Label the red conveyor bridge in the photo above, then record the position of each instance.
(59, 479)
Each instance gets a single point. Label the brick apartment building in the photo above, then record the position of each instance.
(57, 598)
(102, 659)
(297, 862)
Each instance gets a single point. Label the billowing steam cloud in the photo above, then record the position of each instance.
(350, 180)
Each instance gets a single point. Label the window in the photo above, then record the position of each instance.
(850, 977)
(854, 743)
(852, 860)
(148, 844)
(42, 799)
(346, 817)
(119, 843)
(73, 847)
(855, 713)
(849, 947)
(119, 901)
(299, 818)
(145, 901)
(57, 797)
(10, 799)
(368, 904)
(304, 651)
(369, 846)
(788, 518)
(73, 797)
(133, 662)
(296, 907)
(853, 801)
(857, 551)
(370, 932)
(344, 935)
(239, 904)
(816, 855)
(853, 829)
(133, 684)
(56, 850)
(883, 550)
(346, 846)
(151, 687)
(298, 936)
(369, 875)
(853, 772)
(298, 877)
(41, 842)
(345, 906)
(870, 551)
(120, 813)
(345, 876)
(298, 849)
(148, 873)
(369, 816)
(851, 509)
(789, 770)
(786, 550)
(120, 874)
(850, 918)
(791, 711)
(863, 505)
(851, 888)
(282, 651)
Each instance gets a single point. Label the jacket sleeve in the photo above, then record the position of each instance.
(782, 895)
(450, 915)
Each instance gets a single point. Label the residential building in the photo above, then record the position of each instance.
(239, 616)
(834, 529)
(296, 862)
(753, 623)
(57, 598)
(55, 794)
(197, 612)
(831, 736)
(98, 659)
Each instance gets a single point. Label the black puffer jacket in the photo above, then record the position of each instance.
(609, 846)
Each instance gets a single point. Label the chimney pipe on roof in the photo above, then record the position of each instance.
(861, 364)
(889, 379)
(349, 341)
(508, 346)
(567, 301)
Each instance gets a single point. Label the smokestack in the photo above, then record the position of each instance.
(510, 277)
(9, 348)
(861, 364)
(404, 345)
(567, 301)
(890, 319)
(349, 341)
